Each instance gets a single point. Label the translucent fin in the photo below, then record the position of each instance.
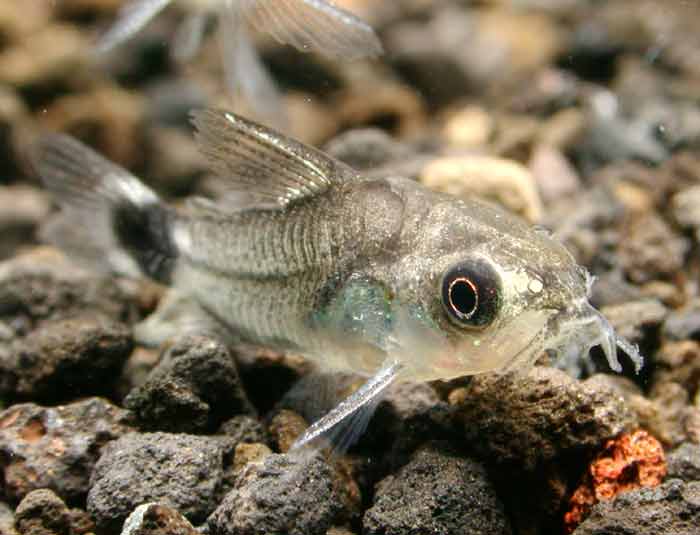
(312, 25)
(105, 207)
(245, 74)
(132, 17)
(257, 161)
(177, 315)
(188, 37)
(343, 425)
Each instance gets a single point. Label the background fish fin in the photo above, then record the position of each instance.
(132, 17)
(245, 74)
(312, 25)
(176, 315)
(106, 211)
(343, 425)
(269, 167)
(188, 37)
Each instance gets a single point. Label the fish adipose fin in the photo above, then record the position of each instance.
(312, 25)
(268, 168)
(109, 219)
(132, 17)
(343, 425)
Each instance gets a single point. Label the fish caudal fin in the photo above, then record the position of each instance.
(110, 220)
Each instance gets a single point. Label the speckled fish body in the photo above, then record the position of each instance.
(360, 275)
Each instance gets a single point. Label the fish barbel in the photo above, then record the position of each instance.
(380, 277)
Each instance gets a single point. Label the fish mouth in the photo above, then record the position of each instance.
(584, 328)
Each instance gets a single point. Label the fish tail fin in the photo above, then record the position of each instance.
(109, 219)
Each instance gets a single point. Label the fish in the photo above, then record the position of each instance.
(307, 25)
(380, 277)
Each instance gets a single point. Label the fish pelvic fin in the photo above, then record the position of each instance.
(109, 219)
(343, 425)
(267, 167)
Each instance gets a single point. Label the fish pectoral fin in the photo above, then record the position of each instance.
(343, 425)
(175, 316)
(313, 25)
(270, 168)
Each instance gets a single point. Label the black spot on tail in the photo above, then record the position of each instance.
(144, 232)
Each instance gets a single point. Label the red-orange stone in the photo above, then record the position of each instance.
(626, 463)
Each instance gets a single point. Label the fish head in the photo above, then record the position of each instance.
(492, 294)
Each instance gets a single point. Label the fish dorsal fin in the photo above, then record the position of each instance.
(265, 166)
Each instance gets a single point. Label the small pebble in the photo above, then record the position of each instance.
(56, 447)
(673, 507)
(267, 498)
(504, 181)
(157, 519)
(181, 471)
(438, 491)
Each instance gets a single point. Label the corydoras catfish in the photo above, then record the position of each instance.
(380, 277)
(307, 25)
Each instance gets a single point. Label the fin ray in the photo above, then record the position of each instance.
(131, 18)
(313, 25)
(109, 218)
(348, 420)
(263, 164)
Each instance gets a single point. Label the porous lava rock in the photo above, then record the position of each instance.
(527, 420)
(438, 491)
(55, 447)
(178, 470)
(295, 494)
(673, 507)
(194, 388)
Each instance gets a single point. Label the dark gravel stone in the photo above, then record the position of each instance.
(408, 415)
(177, 470)
(651, 250)
(526, 420)
(156, 519)
(367, 148)
(41, 512)
(684, 463)
(678, 362)
(683, 324)
(64, 357)
(244, 428)
(436, 492)
(193, 389)
(673, 507)
(42, 285)
(55, 447)
(296, 494)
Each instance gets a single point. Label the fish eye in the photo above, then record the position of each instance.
(471, 294)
